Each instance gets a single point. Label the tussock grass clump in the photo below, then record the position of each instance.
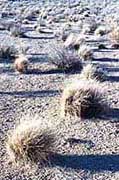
(86, 29)
(30, 142)
(64, 59)
(38, 28)
(21, 63)
(85, 53)
(101, 30)
(91, 71)
(8, 52)
(89, 27)
(17, 31)
(74, 41)
(114, 36)
(83, 99)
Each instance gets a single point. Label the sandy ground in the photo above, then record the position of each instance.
(87, 150)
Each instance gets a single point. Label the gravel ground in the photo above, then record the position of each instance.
(87, 150)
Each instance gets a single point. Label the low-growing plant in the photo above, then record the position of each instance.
(21, 63)
(101, 30)
(8, 52)
(64, 59)
(114, 37)
(92, 71)
(30, 142)
(74, 41)
(89, 27)
(83, 99)
(17, 31)
(85, 53)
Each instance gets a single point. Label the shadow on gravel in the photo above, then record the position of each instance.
(53, 71)
(73, 141)
(41, 58)
(112, 69)
(38, 37)
(28, 94)
(38, 71)
(106, 59)
(6, 70)
(87, 162)
(113, 115)
(113, 78)
(100, 50)
(96, 41)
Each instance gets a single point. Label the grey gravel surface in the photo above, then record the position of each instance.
(87, 150)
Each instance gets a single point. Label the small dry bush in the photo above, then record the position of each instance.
(114, 35)
(21, 63)
(92, 71)
(30, 142)
(38, 28)
(83, 99)
(64, 59)
(89, 27)
(101, 30)
(8, 52)
(74, 41)
(85, 53)
(17, 31)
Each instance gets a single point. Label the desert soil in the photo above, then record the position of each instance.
(87, 150)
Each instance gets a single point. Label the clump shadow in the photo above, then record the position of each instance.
(113, 114)
(40, 72)
(96, 163)
(30, 94)
(113, 78)
(106, 59)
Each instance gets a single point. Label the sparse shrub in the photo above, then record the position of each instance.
(89, 27)
(64, 59)
(85, 53)
(8, 52)
(93, 72)
(64, 36)
(17, 31)
(26, 21)
(30, 142)
(83, 99)
(74, 41)
(30, 14)
(114, 36)
(38, 28)
(101, 30)
(21, 63)
(86, 29)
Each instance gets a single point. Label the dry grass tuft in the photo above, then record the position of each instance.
(64, 59)
(30, 142)
(93, 72)
(114, 35)
(17, 31)
(83, 99)
(89, 27)
(74, 41)
(85, 53)
(38, 28)
(21, 64)
(8, 52)
(101, 30)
